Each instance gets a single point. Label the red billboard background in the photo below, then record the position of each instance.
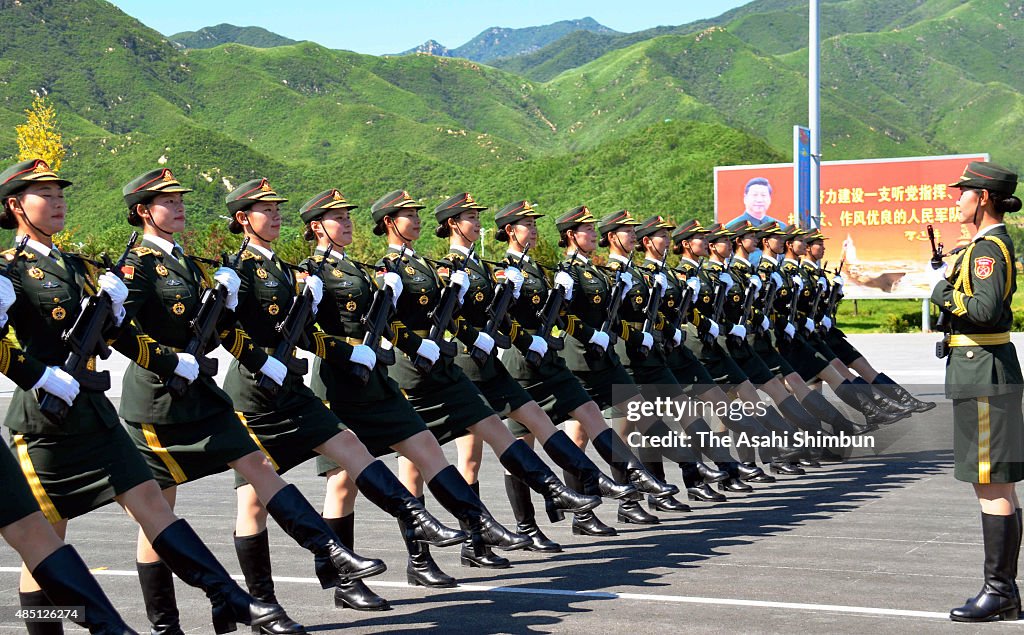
(873, 212)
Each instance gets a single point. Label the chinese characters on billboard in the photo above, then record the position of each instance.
(874, 214)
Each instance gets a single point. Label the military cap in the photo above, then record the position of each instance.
(769, 228)
(393, 202)
(793, 232)
(653, 225)
(514, 212)
(813, 235)
(688, 230)
(989, 176)
(455, 206)
(317, 206)
(572, 218)
(615, 220)
(719, 231)
(25, 173)
(145, 188)
(743, 227)
(251, 192)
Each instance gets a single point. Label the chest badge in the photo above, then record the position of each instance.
(58, 313)
(424, 299)
(273, 309)
(271, 284)
(261, 273)
(337, 273)
(670, 303)
(588, 275)
(479, 297)
(639, 299)
(174, 282)
(50, 284)
(161, 270)
(178, 308)
(597, 299)
(351, 306)
(409, 270)
(35, 273)
(536, 299)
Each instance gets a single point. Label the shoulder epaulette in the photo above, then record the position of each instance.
(9, 255)
(145, 251)
(615, 265)
(248, 255)
(391, 255)
(455, 256)
(318, 258)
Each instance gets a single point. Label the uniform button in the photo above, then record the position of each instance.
(970, 354)
(177, 296)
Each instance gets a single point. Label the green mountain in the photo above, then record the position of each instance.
(497, 42)
(211, 36)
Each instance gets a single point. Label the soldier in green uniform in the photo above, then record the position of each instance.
(377, 412)
(88, 459)
(983, 378)
(185, 438)
(533, 360)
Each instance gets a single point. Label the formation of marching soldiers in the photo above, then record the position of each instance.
(410, 353)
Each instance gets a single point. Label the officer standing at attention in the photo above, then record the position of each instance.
(983, 378)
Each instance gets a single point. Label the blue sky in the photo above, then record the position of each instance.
(390, 26)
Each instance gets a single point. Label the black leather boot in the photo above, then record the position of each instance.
(476, 554)
(666, 503)
(382, 488)
(631, 512)
(750, 472)
(184, 552)
(620, 457)
(733, 481)
(35, 600)
(1020, 531)
(353, 594)
(881, 400)
(254, 559)
(157, 584)
(587, 523)
(332, 560)
(786, 468)
(697, 489)
(709, 475)
(526, 522)
(996, 600)
(422, 570)
(855, 397)
(455, 495)
(572, 459)
(817, 405)
(796, 414)
(900, 395)
(519, 459)
(66, 581)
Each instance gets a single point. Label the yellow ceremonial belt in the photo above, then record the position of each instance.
(980, 339)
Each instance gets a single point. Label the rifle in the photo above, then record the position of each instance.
(794, 306)
(611, 315)
(293, 331)
(652, 308)
(376, 323)
(685, 302)
(833, 296)
(719, 307)
(549, 315)
(9, 270)
(204, 327)
(770, 292)
(813, 312)
(941, 322)
(441, 316)
(85, 339)
(498, 315)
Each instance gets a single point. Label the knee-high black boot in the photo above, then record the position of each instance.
(333, 562)
(666, 503)
(184, 552)
(568, 456)
(587, 523)
(880, 398)
(455, 495)
(36, 600)
(785, 458)
(382, 488)
(860, 400)
(353, 593)
(795, 413)
(519, 459)
(696, 488)
(996, 600)
(157, 584)
(526, 522)
(422, 570)
(254, 559)
(900, 395)
(817, 405)
(66, 581)
(473, 555)
(730, 473)
(620, 457)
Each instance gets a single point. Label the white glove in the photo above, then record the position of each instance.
(564, 280)
(429, 350)
(838, 279)
(713, 329)
(765, 323)
(59, 383)
(798, 282)
(726, 279)
(600, 338)
(484, 342)
(515, 276)
(363, 355)
(117, 293)
(739, 331)
(935, 276)
(187, 368)
(809, 325)
(539, 345)
(228, 279)
(790, 330)
(677, 337)
(826, 322)
(316, 289)
(694, 283)
(393, 281)
(777, 279)
(7, 298)
(648, 342)
(756, 281)
(627, 282)
(660, 280)
(461, 280)
(275, 370)
(823, 283)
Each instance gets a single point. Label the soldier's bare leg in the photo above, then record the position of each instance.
(27, 583)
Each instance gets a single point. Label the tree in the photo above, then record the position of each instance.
(39, 137)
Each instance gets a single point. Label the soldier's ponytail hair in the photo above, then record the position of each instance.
(1005, 204)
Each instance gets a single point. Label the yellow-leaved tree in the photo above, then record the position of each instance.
(39, 137)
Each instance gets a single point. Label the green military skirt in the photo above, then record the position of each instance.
(805, 359)
(722, 368)
(378, 424)
(18, 499)
(844, 350)
(449, 407)
(988, 439)
(502, 392)
(551, 384)
(751, 363)
(764, 346)
(181, 452)
(688, 370)
(73, 474)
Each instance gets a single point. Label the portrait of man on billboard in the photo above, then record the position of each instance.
(757, 198)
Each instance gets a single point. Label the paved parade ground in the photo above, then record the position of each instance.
(885, 543)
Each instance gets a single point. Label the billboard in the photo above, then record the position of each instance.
(874, 213)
